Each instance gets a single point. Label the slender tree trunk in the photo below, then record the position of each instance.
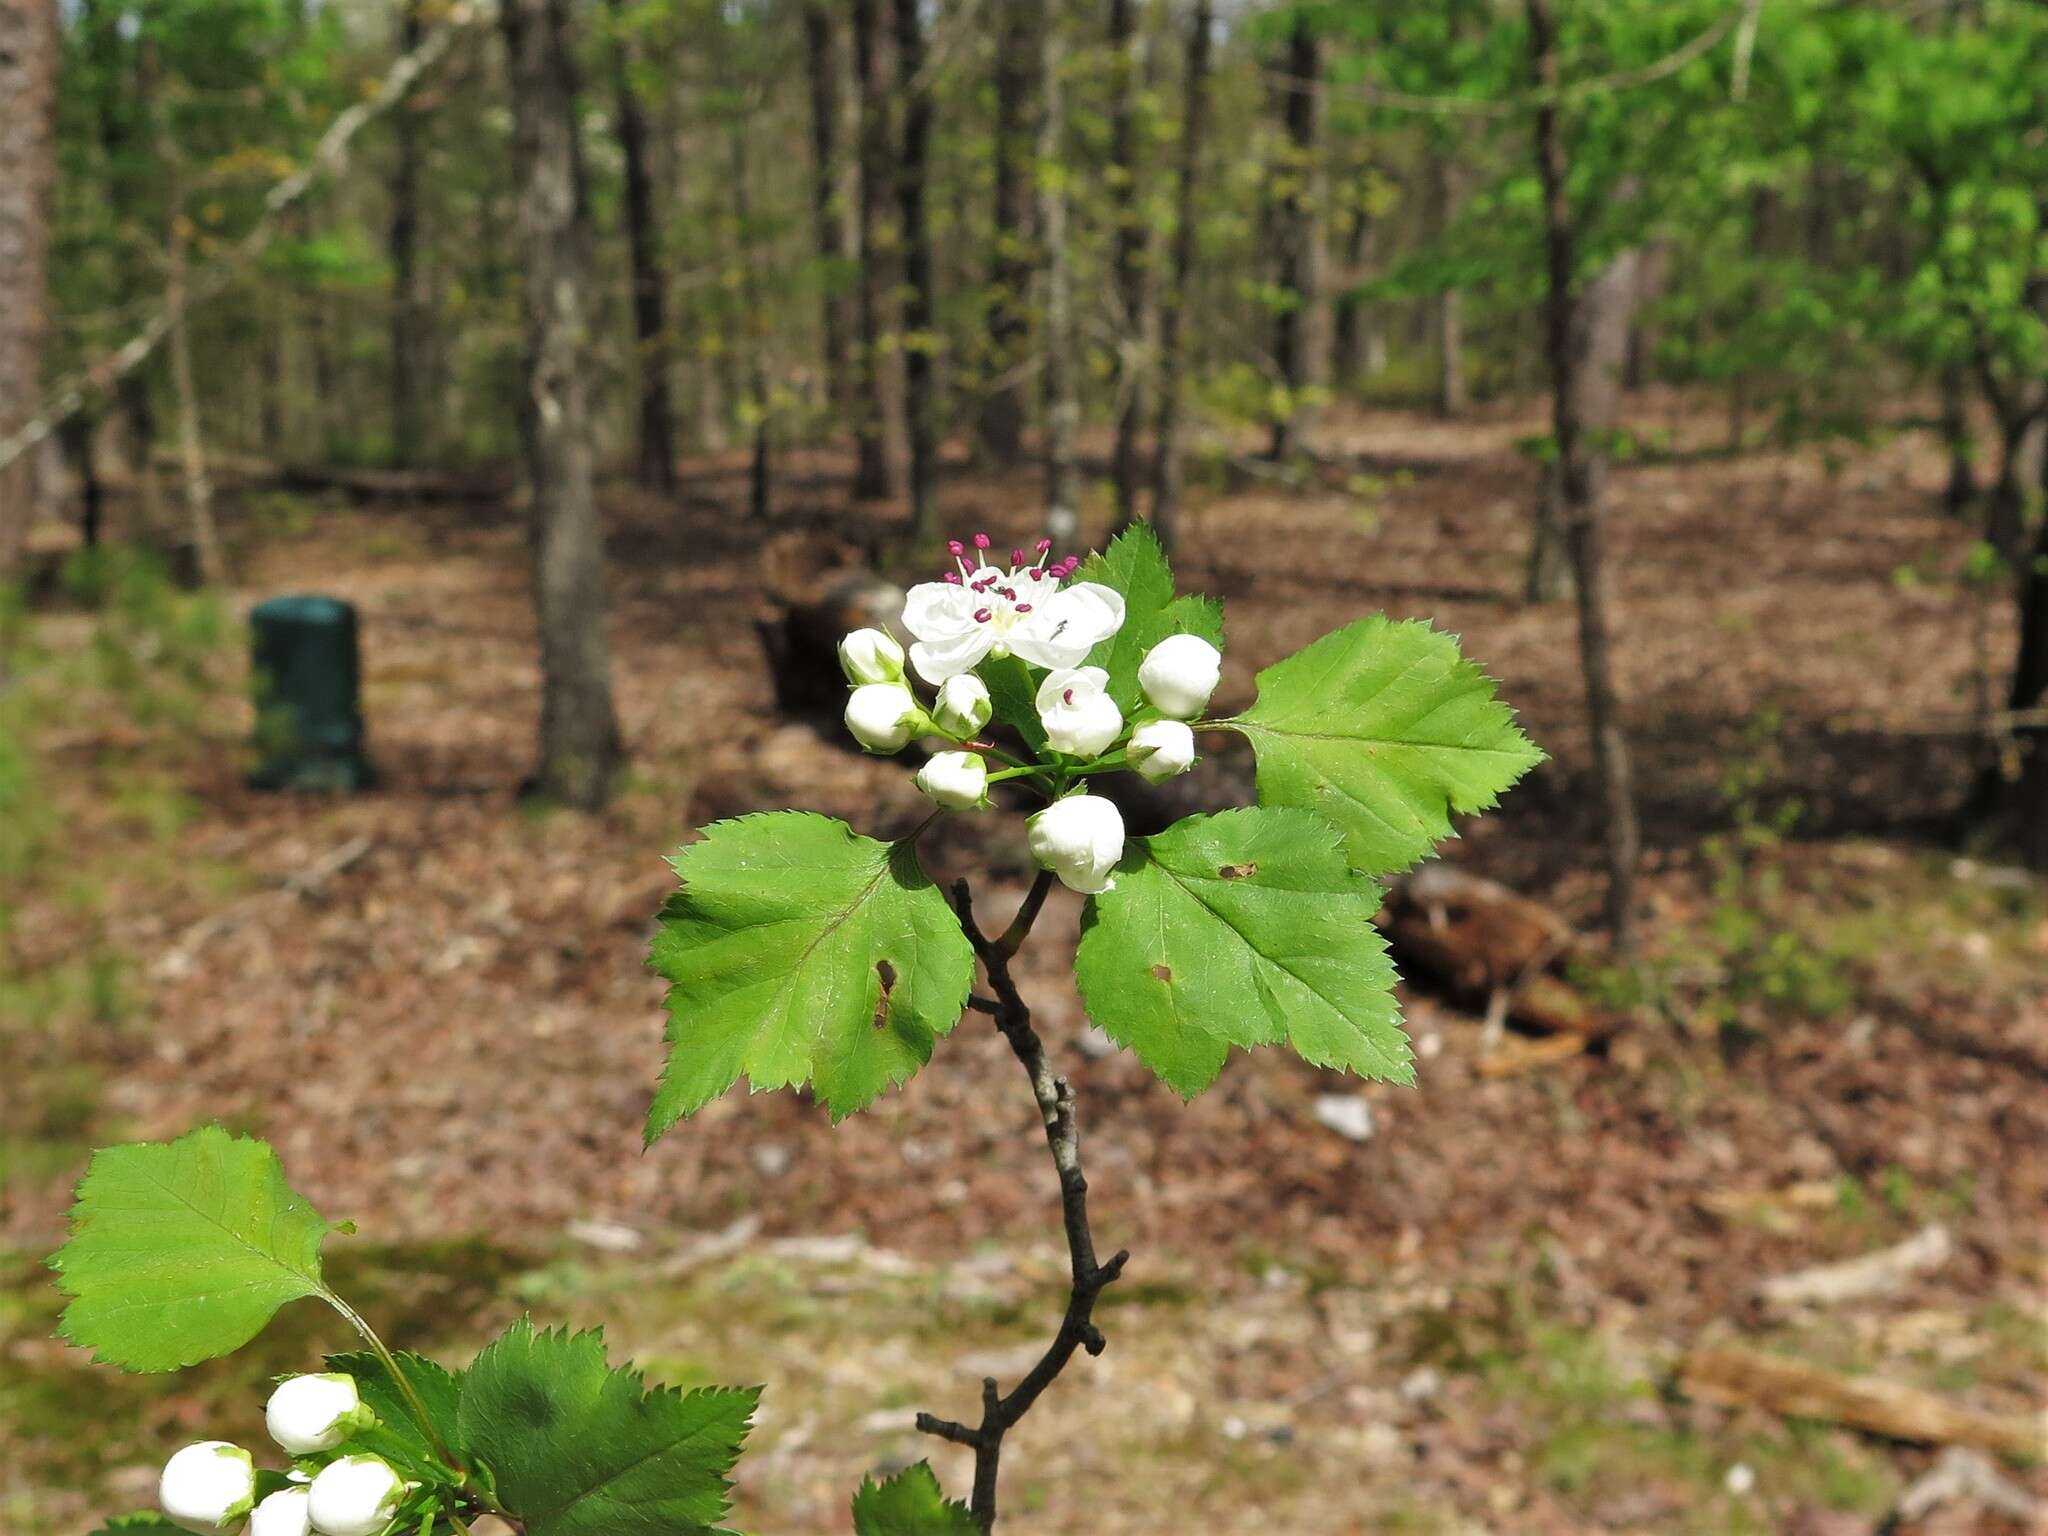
(2028, 798)
(2022, 446)
(1166, 460)
(874, 475)
(1299, 331)
(828, 226)
(1580, 472)
(1128, 369)
(191, 444)
(1355, 333)
(753, 338)
(580, 750)
(1007, 317)
(408, 308)
(1447, 326)
(1062, 399)
(1651, 275)
(1957, 439)
(28, 75)
(655, 457)
(921, 337)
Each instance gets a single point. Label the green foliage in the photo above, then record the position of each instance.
(182, 1251)
(579, 1449)
(909, 1504)
(799, 951)
(1386, 730)
(126, 1525)
(1241, 929)
(397, 1435)
(1136, 566)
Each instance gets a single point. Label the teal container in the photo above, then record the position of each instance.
(306, 672)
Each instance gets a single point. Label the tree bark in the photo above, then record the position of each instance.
(655, 458)
(580, 750)
(408, 303)
(1580, 483)
(1062, 400)
(1166, 461)
(191, 442)
(880, 402)
(1001, 424)
(828, 227)
(920, 330)
(28, 78)
(2022, 451)
(1356, 344)
(1957, 439)
(1448, 320)
(1127, 371)
(1300, 344)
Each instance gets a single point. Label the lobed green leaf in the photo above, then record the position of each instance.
(397, 1436)
(909, 1504)
(1136, 566)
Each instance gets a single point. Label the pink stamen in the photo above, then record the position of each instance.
(982, 615)
(1067, 695)
(1036, 574)
(1016, 557)
(954, 546)
(953, 577)
(981, 541)
(1023, 607)
(1043, 545)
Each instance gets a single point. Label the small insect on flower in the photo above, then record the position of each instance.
(956, 781)
(1079, 839)
(208, 1487)
(287, 1512)
(1159, 749)
(355, 1496)
(309, 1414)
(982, 610)
(1079, 716)
(1178, 675)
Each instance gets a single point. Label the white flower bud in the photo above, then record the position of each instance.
(309, 1414)
(287, 1512)
(1079, 839)
(871, 656)
(1160, 748)
(1178, 675)
(208, 1486)
(958, 781)
(963, 707)
(355, 1496)
(884, 716)
(1080, 718)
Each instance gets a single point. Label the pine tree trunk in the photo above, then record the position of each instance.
(580, 750)
(828, 227)
(655, 458)
(28, 74)
(1128, 370)
(1581, 477)
(1167, 470)
(920, 328)
(1001, 424)
(880, 401)
(1062, 400)
(1299, 331)
(408, 306)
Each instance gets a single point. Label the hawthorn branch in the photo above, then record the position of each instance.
(1001, 1411)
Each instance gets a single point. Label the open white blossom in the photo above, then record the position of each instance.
(1178, 675)
(308, 1414)
(1161, 748)
(871, 656)
(207, 1487)
(964, 706)
(884, 716)
(1079, 839)
(1025, 610)
(287, 1512)
(957, 781)
(355, 1496)
(1079, 716)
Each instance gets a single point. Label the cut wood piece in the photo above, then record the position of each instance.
(1734, 1376)
(1870, 1274)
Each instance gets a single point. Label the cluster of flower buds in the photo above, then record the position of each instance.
(211, 1486)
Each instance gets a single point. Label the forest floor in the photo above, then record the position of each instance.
(432, 999)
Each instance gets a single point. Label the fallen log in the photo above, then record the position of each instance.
(1732, 1376)
(1870, 1274)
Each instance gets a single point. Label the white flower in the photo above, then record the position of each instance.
(355, 1496)
(1080, 718)
(1160, 748)
(1079, 839)
(286, 1512)
(985, 610)
(871, 656)
(963, 707)
(308, 1414)
(1178, 675)
(884, 716)
(208, 1486)
(958, 781)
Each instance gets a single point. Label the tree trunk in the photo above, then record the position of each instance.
(191, 444)
(1166, 464)
(1651, 274)
(1356, 345)
(1127, 371)
(753, 338)
(580, 750)
(1447, 328)
(1581, 487)
(1957, 439)
(655, 458)
(1062, 401)
(28, 75)
(828, 227)
(2022, 447)
(880, 405)
(1299, 332)
(920, 330)
(408, 305)
(1001, 424)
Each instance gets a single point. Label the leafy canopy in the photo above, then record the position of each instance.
(182, 1251)
(1240, 929)
(798, 951)
(580, 1449)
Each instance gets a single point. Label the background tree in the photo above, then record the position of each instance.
(28, 71)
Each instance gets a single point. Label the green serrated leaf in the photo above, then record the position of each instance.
(1384, 728)
(397, 1436)
(580, 1449)
(1244, 928)
(1013, 696)
(909, 1504)
(1136, 566)
(181, 1251)
(799, 951)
